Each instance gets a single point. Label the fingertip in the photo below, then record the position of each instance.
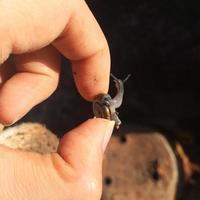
(99, 122)
(92, 74)
(98, 125)
(103, 126)
(83, 146)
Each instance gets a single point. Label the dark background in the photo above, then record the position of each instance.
(158, 42)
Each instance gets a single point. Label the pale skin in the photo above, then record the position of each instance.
(36, 33)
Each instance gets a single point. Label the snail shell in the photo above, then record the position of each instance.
(100, 109)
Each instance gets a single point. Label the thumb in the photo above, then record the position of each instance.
(83, 147)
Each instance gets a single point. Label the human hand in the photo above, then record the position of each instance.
(74, 173)
(36, 32)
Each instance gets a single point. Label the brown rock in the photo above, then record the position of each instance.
(30, 137)
(139, 167)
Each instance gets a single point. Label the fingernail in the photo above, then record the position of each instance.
(108, 133)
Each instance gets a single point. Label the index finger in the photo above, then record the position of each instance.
(84, 43)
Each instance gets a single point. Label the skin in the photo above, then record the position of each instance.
(36, 33)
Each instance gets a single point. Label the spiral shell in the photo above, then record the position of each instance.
(100, 109)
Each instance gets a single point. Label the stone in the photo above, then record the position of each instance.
(139, 166)
(30, 137)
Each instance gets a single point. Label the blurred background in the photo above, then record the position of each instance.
(158, 43)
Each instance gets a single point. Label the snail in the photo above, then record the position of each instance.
(105, 107)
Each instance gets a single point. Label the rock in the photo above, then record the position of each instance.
(139, 166)
(30, 137)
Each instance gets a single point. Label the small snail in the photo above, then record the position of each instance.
(105, 107)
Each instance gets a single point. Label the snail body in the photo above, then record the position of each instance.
(105, 107)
